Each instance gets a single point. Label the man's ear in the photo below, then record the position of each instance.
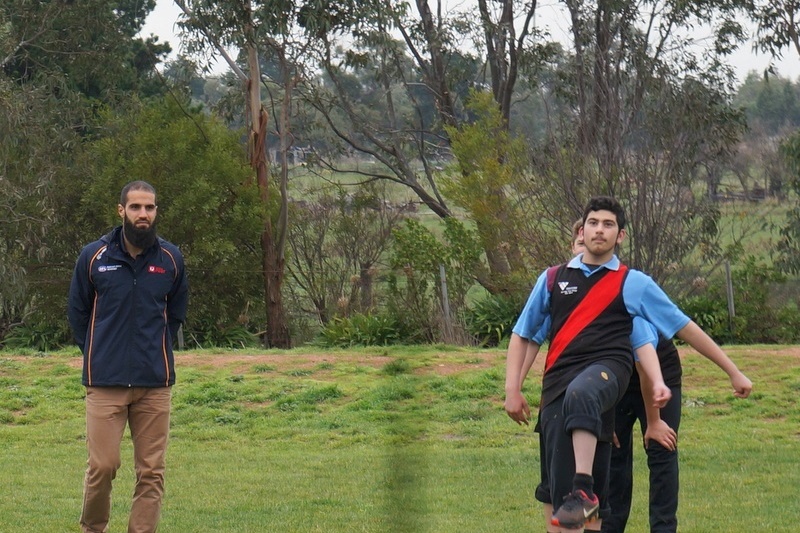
(621, 236)
(121, 210)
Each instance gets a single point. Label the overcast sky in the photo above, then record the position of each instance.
(161, 22)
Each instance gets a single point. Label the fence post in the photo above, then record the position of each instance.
(448, 323)
(729, 292)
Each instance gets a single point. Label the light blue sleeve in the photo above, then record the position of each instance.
(541, 335)
(643, 333)
(645, 299)
(536, 311)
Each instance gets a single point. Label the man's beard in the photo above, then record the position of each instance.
(142, 238)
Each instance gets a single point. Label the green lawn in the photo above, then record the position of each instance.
(385, 439)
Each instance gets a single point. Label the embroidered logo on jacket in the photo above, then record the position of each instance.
(156, 270)
(108, 268)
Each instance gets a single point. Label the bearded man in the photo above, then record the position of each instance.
(127, 300)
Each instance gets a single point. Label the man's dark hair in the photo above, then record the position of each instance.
(137, 185)
(606, 203)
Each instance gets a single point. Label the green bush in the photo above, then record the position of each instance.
(362, 330)
(415, 282)
(490, 320)
(788, 330)
(210, 335)
(758, 318)
(37, 336)
(710, 312)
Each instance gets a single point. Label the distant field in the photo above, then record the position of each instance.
(407, 439)
(754, 224)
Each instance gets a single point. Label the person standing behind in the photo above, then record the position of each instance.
(127, 299)
(659, 428)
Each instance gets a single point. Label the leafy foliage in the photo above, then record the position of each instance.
(207, 206)
(489, 171)
(491, 319)
(92, 46)
(777, 30)
(362, 330)
(789, 246)
(38, 142)
(38, 336)
(415, 282)
(760, 317)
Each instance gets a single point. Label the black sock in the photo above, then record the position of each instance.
(583, 482)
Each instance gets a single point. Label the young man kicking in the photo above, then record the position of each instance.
(657, 393)
(591, 307)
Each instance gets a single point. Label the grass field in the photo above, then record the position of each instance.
(382, 440)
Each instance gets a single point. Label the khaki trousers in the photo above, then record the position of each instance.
(146, 411)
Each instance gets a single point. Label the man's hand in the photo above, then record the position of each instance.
(517, 408)
(662, 434)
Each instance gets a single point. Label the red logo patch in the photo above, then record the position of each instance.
(156, 270)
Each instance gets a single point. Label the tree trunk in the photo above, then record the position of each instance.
(365, 286)
(272, 262)
(277, 335)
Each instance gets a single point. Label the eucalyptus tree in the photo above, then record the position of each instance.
(778, 32)
(418, 56)
(59, 63)
(36, 146)
(262, 33)
(777, 26)
(650, 115)
(92, 45)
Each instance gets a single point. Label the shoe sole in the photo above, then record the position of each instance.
(592, 516)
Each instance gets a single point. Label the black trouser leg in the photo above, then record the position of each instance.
(663, 465)
(621, 478)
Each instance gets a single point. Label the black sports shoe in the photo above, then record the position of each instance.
(576, 510)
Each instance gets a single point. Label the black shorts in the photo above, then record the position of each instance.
(592, 396)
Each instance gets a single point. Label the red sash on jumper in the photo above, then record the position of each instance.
(595, 302)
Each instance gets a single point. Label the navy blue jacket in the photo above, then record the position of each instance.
(125, 313)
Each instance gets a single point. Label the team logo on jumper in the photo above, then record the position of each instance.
(566, 289)
(156, 270)
(107, 268)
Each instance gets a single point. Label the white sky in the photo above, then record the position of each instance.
(161, 23)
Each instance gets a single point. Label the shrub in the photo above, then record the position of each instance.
(490, 320)
(758, 319)
(788, 331)
(362, 330)
(207, 336)
(710, 312)
(37, 336)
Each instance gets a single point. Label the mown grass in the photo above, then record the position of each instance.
(375, 440)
